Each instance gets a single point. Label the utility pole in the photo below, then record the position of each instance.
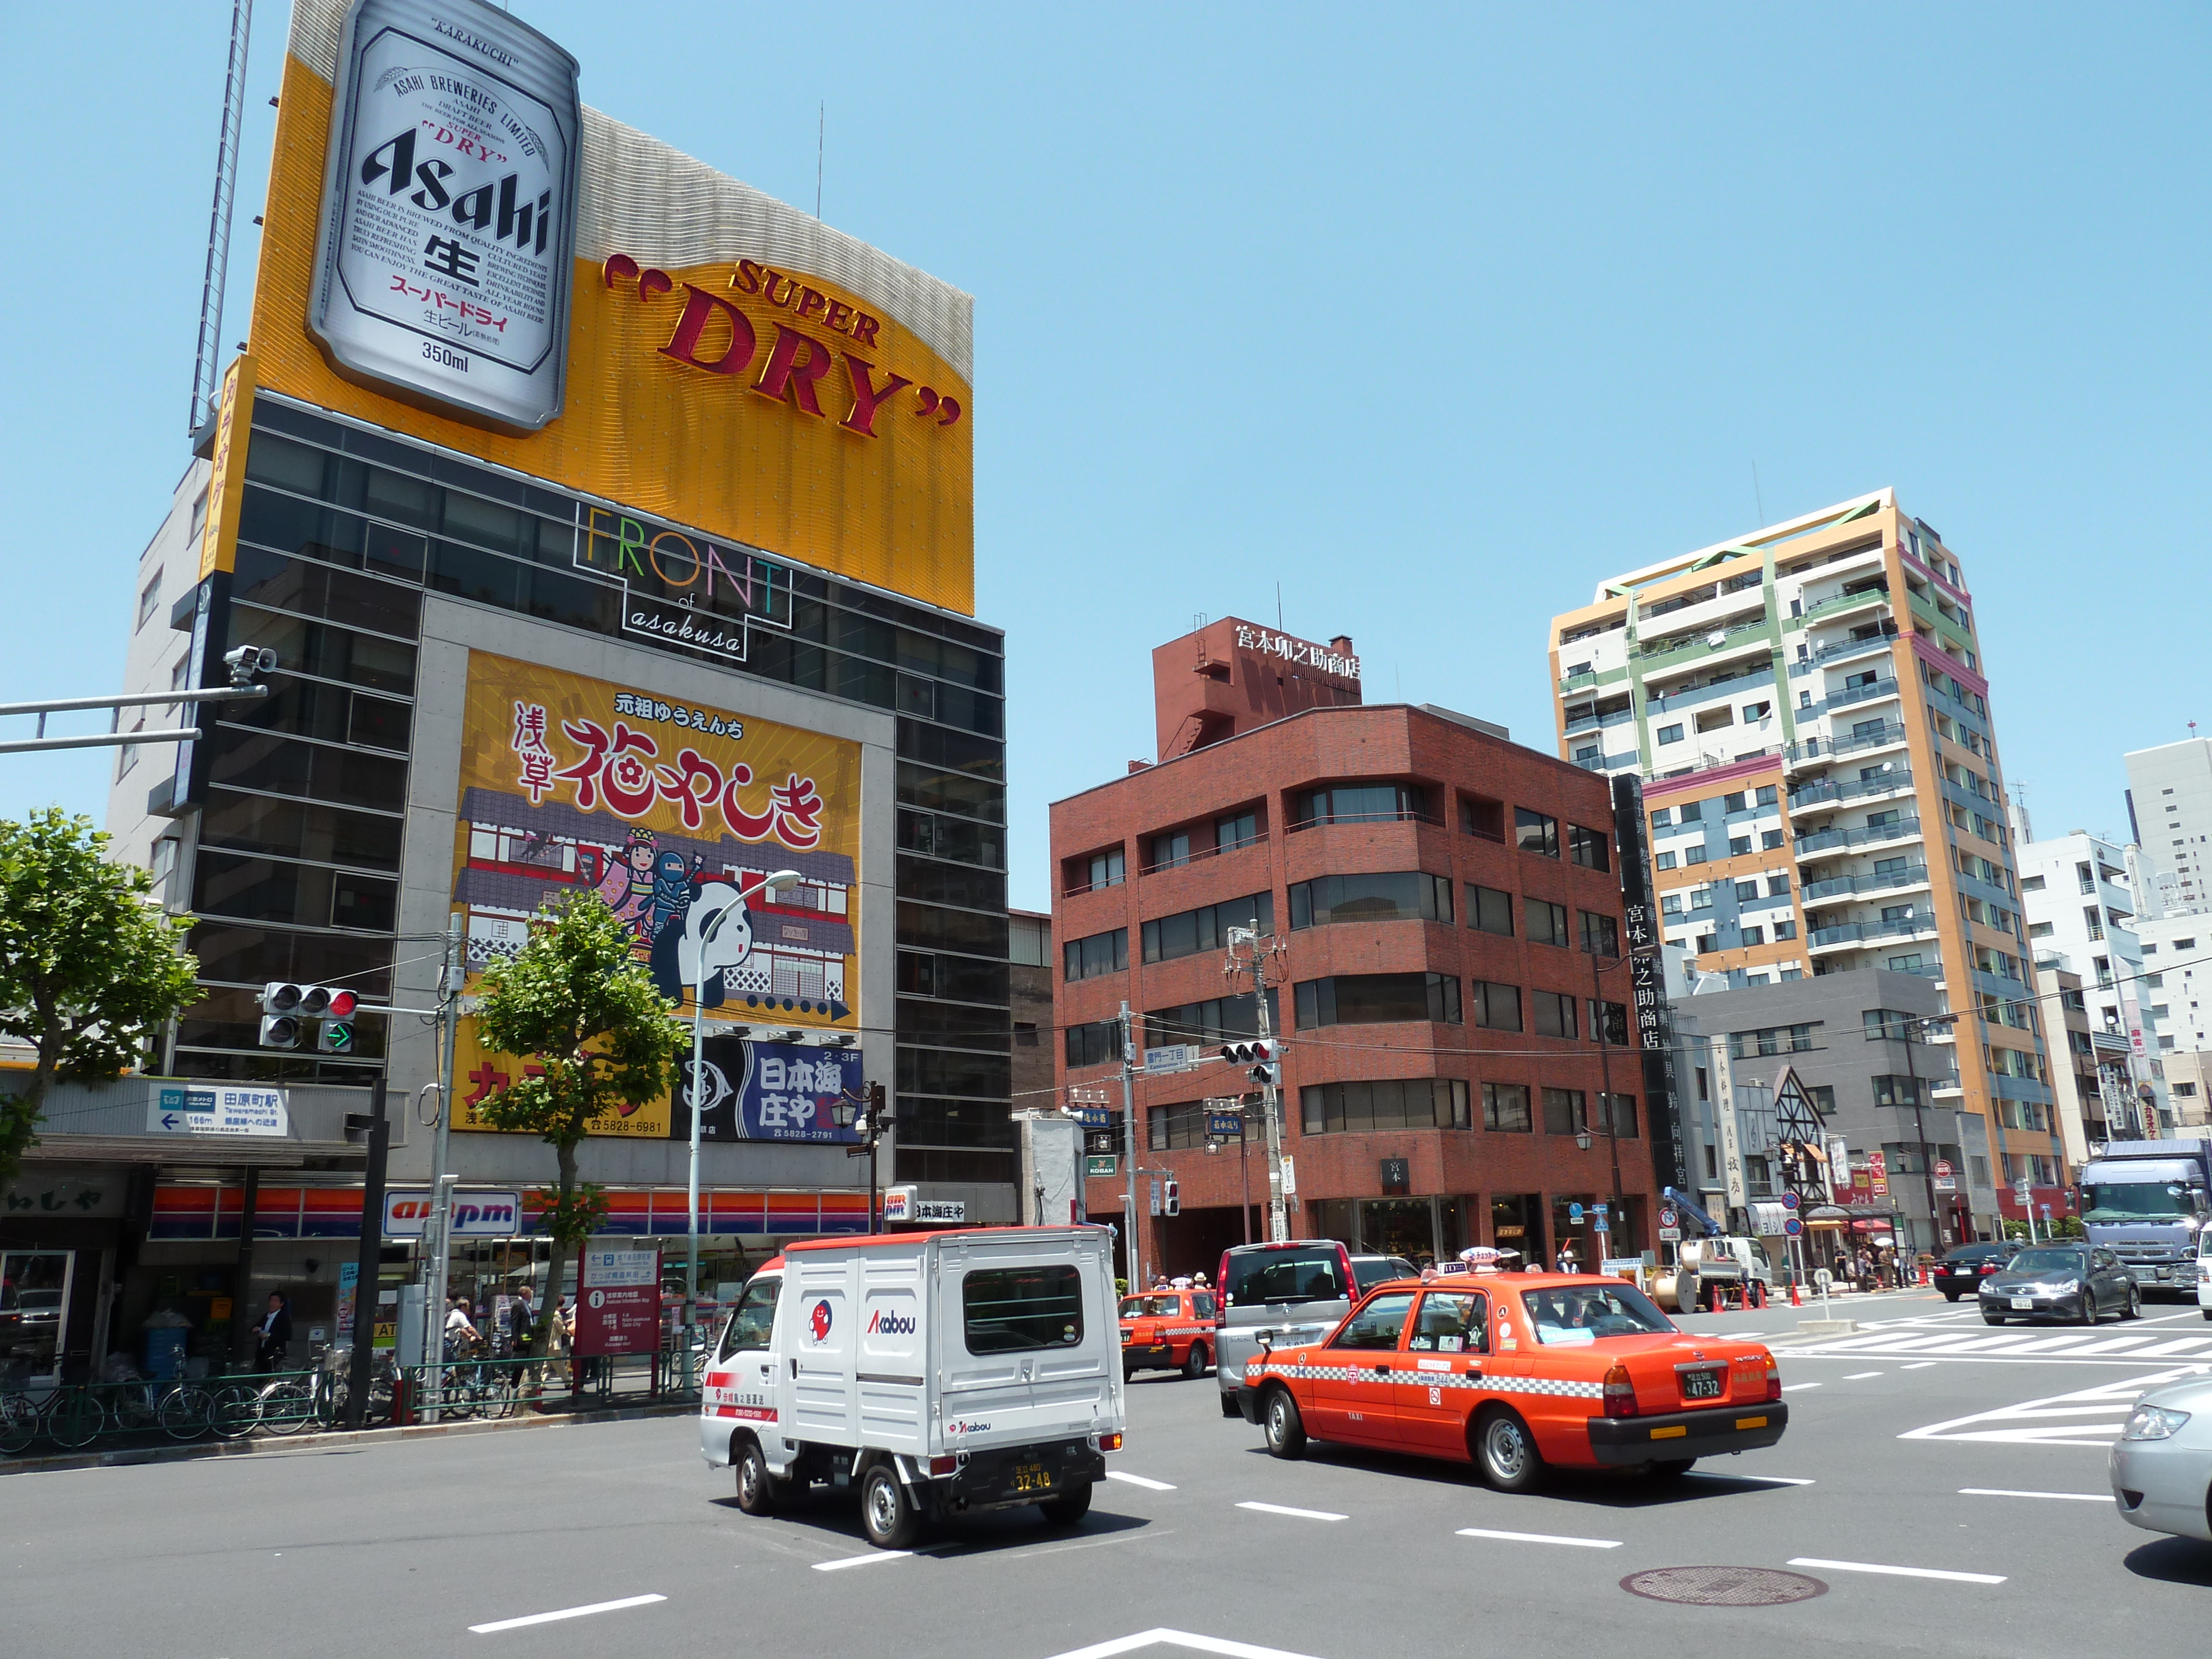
(1247, 955)
(451, 969)
(361, 1373)
(1605, 1075)
(1912, 1029)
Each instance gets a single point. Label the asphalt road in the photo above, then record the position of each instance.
(1925, 1442)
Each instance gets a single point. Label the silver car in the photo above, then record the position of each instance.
(2162, 1464)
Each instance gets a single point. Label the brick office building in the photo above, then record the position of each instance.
(1439, 893)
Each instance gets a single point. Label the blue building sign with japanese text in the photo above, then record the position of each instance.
(768, 1091)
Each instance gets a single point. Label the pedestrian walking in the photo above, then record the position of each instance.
(522, 1328)
(273, 1336)
(461, 1333)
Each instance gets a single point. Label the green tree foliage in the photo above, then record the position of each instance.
(91, 970)
(576, 1003)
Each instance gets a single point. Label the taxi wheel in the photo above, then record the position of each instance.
(1193, 1364)
(887, 1514)
(1507, 1452)
(1286, 1430)
(1070, 1507)
(757, 1490)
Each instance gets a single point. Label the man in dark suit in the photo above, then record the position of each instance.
(273, 1336)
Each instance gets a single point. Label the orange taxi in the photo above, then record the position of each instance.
(1517, 1373)
(1168, 1331)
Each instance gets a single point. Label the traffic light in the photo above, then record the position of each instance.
(1263, 1055)
(286, 1008)
(1171, 1199)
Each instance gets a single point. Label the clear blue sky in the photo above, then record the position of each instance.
(1432, 315)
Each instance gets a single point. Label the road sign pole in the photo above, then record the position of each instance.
(360, 1374)
(1131, 1255)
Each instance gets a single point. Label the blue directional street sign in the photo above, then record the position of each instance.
(1575, 1213)
(1090, 1117)
(1224, 1125)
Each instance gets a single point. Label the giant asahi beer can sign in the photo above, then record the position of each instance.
(449, 208)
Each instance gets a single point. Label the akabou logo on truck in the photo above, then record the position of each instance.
(890, 1324)
(819, 1321)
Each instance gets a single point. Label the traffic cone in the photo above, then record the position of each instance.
(1718, 1303)
(1796, 1299)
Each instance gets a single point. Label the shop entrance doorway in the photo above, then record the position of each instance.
(34, 1307)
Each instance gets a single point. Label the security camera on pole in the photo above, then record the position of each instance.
(1247, 955)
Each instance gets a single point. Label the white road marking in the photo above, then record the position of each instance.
(1922, 1366)
(1302, 1515)
(843, 1562)
(1861, 1377)
(565, 1613)
(1793, 1387)
(1541, 1538)
(1898, 1572)
(1177, 1639)
(1139, 1481)
(2059, 1419)
(2002, 1492)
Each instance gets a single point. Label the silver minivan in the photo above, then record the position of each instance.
(1297, 1291)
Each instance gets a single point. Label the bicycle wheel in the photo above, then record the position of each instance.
(187, 1413)
(288, 1407)
(74, 1419)
(237, 1412)
(19, 1423)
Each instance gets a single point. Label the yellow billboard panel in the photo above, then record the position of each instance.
(227, 479)
(732, 365)
(675, 816)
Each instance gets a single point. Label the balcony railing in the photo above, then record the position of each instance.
(1881, 642)
(1710, 763)
(1837, 603)
(1595, 722)
(1892, 733)
(1868, 931)
(1258, 838)
(1569, 682)
(1702, 638)
(1887, 783)
(1366, 817)
(1896, 829)
(1662, 705)
(1850, 695)
(1913, 875)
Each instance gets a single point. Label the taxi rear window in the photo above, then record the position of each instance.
(1015, 1310)
(1315, 1274)
(1150, 1307)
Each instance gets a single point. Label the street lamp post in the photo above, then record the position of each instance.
(775, 884)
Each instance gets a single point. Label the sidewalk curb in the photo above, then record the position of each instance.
(251, 1444)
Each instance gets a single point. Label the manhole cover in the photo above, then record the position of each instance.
(1723, 1587)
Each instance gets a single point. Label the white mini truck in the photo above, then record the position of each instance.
(942, 1373)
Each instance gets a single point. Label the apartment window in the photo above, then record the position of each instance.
(1756, 711)
(1620, 1111)
(1738, 846)
(1887, 1025)
(1480, 817)
(1692, 812)
(1363, 803)
(150, 597)
(1101, 953)
(1378, 1000)
(1555, 1013)
(1207, 928)
(2040, 929)
(1601, 934)
(1388, 1103)
(1773, 1040)
(1497, 1008)
(129, 756)
(1544, 923)
(1670, 905)
(1784, 930)
(1898, 1091)
(1671, 733)
(1608, 1021)
(1770, 840)
(1171, 851)
(1708, 943)
(1589, 848)
(1587, 755)
(1701, 898)
(199, 517)
(1236, 829)
(1734, 801)
(1714, 719)
(1505, 1108)
(1533, 832)
(1489, 910)
(1765, 795)
(1409, 895)
(1777, 886)
(1565, 1111)
(1101, 869)
(1097, 1043)
(1746, 889)
(1753, 936)
(2031, 883)
(1663, 861)
(1661, 817)
(1170, 1128)
(1694, 854)
(1219, 1019)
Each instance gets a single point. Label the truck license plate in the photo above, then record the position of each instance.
(1701, 1385)
(1032, 1477)
(2023, 1304)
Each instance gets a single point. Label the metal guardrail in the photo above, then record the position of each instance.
(1822, 840)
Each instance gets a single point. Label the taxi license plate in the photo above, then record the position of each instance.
(1701, 1385)
(1032, 1477)
(2023, 1303)
(1128, 1336)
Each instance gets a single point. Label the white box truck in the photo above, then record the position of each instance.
(941, 1374)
